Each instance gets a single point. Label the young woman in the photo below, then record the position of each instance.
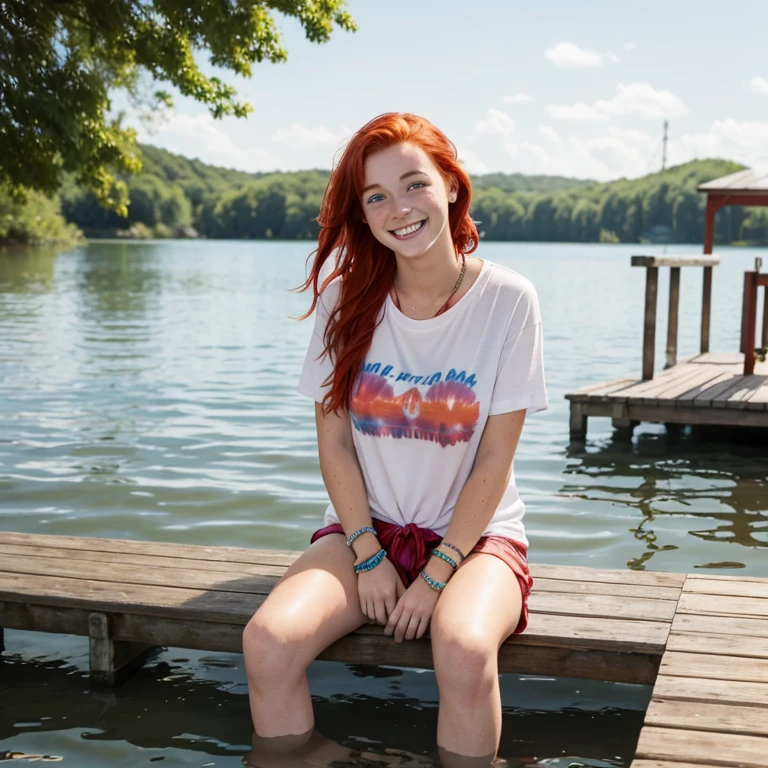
(423, 364)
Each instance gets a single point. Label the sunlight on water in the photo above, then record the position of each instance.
(147, 391)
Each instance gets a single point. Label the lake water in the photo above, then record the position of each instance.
(147, 391)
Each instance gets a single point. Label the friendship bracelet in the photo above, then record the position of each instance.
(455, 549)
(360, 532)
(371, 562)
(436, 585)
(443, 556)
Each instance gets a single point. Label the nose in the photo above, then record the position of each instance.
(403, 208)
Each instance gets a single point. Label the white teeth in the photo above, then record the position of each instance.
(409, 230)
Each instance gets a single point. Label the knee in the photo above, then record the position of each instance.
(270, 653)
(465, 663)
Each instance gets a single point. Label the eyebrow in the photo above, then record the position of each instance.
(404, 176)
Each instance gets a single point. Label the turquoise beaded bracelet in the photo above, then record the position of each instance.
(371, 562)
(454, 548)
(360, 532)
(436, 585)
(443, 556)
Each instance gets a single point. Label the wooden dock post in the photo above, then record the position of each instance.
(674, 306)
(652, 264)
(578, 423)
(649, 321)
(112, 661)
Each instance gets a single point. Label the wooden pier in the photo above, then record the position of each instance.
(700, 640)
(709, 389)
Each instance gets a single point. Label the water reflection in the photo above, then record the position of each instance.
(27, 270)
(707, 476)
(117, 278)
(165, 711)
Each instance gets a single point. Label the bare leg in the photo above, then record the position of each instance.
(312, 606)
(479, 609)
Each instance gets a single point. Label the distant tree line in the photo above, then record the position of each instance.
(174, 196)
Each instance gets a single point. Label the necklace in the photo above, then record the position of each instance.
(445, 306)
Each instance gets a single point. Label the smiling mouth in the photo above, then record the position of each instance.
(409, 230)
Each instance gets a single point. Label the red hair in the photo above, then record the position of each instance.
(366, 267)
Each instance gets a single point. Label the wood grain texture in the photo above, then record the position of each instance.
(725, 749)
(695, 716)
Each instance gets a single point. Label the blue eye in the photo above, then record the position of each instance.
(417, 184)
(375, 198)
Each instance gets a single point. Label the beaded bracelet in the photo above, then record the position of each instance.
(443, 556)
(360, 532)
(371, 562)
(436, 585)
(455, 549)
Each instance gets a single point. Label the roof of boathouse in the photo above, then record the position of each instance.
(747, 182)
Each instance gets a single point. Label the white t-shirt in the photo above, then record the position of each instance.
(427, 389)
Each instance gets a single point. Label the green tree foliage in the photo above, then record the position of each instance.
(61, 59)
(661, 204)
(174, 191)
(34, 221)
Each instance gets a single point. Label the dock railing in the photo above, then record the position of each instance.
(753, 281)
(652, 264)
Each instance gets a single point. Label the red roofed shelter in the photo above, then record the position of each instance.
(749, 188)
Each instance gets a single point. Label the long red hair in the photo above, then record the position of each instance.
(367, 268)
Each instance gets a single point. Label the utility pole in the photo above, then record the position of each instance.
(664, 151)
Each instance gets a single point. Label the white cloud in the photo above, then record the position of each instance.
(551, 134)
(614, 152)
(570, 56)
(536, 150)
(472, 163)
(633, 99)
(301, 137)
(644, 100)
(759, 85)
(202, 137)
(580, 111)
(611, 56)
(518, 98)
(630, 46)
(496, 122)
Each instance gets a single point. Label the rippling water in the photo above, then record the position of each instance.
(147, 391)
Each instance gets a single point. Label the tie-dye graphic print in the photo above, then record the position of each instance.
(447, 413)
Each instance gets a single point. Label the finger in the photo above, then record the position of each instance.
(380, 612)
(423, 624)
(390, 601)
(413, 625)
(394, 617)
(402, 626)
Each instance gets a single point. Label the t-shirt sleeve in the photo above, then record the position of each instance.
(318, 366)
(520, 378)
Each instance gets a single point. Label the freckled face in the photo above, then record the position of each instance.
(405, 200)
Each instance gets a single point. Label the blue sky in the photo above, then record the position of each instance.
(554, 87)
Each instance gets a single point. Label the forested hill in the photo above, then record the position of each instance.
(174, 194)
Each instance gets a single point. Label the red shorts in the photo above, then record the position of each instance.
(410, 547)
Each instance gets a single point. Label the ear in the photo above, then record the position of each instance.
(453, 189)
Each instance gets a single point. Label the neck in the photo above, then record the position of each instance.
(427, 278)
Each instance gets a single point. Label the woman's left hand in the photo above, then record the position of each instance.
(413, 611)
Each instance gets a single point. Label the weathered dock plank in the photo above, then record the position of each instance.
(710, 700)
(726, 749)
(709, 389)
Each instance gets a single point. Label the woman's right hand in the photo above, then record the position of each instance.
(379, 590)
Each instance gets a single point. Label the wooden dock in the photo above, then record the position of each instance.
(709, 389)
(700, 640)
